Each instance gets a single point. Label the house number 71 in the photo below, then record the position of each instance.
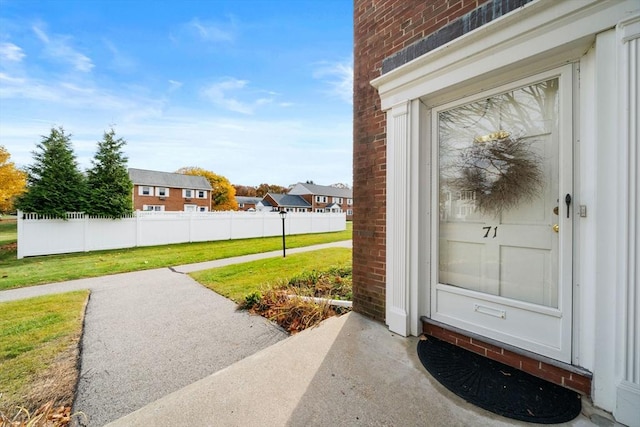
(495, 231)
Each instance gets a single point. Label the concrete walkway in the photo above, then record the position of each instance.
(150, 333)
(348, 371)
(161, 350)
(117, 280)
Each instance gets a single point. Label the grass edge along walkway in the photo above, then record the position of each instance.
(57, 268)
(238, 280)
(39, 349)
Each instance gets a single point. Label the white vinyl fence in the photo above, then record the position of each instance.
(38, 235)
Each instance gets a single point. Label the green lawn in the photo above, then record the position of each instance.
(8, 231)
(237, 281)
(16, 273)
(33, 333)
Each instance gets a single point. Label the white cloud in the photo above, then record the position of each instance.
(59, 48)
(7, 79)
(119, 61)
(11, 52)
(65, 95)
(226, 92)
(174, 85)
(246, 150)
(212, 32)
(339, 78)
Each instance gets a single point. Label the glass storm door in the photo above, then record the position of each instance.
(504, 225)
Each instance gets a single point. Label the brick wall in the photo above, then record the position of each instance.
(382, 28)
(174, 202)
(564, 377)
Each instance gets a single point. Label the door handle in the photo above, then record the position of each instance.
(567, 200)
(556, 227)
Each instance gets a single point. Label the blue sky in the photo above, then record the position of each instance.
(255, 90)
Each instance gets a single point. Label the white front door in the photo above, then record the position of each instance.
(504, 230)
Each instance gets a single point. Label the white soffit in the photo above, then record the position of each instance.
(539, 36)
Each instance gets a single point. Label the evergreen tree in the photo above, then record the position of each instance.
(108, 180)
(55, 185)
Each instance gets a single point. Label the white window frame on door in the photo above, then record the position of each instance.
(560, 348)
(547, 35)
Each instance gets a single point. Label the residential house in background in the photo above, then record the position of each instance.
(246, 203)
(324, 198)
(445, 243)
(165, 191)
(287, 202)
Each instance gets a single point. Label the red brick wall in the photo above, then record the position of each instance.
(554, 374)
(310, 198)
(175, 201)
(381, 28)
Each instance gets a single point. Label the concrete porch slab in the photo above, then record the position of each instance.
(347, 371)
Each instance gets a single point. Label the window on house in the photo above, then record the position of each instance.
(349, 202)
(320, 210)
(202, 194)
(337, 200)
(153, 208)
(467, 195)
(349, 211)
(162, 192)
(144, 191)
(203, 209)
(187, 194)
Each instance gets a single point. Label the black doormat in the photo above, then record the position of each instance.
(497, 387)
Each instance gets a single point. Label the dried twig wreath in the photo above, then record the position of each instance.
(502, 172)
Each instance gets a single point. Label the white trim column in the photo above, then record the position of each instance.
(398, 218)
(627, 408)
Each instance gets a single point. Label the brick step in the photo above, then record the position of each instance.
(556, 372)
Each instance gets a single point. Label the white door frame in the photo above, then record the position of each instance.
(497, 317)
(542, 35)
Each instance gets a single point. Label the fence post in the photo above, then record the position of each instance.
(138, 231)
(20, 233)
(85, 232)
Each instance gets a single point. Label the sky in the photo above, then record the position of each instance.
(259, 91)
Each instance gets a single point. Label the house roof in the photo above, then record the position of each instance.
(289, 200)
(247, 199)
(167, 179)
(321, 190)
